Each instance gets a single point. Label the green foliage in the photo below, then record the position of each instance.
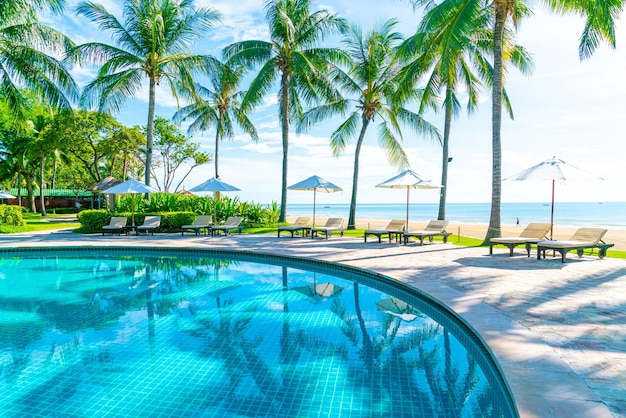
(172, 150)
(164, 202)
(93, 220)
(11, 215)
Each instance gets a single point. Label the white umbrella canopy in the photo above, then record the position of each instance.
(131, 187)
(214, 185)
(6, 195)
(553, 169)
(315, 183)
(408, 180)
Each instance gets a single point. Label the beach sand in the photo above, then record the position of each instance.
(613, 236)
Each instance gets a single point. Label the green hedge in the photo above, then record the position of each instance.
(11, 215)
(93, 220)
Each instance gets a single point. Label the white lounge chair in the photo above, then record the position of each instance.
(150, 223)
(301, 225)
(117, 225)
(532, 234)
(232, 222)
(200, 223)
(433, 229)
(583, 238)
(396, 227)
(332, 225)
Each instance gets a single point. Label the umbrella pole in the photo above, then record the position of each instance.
(552, 212)
(407, 209)
(314, 193)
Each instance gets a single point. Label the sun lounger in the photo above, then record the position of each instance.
(232, 222)
(332, 225)
(201, 222)
(433, 229)
(150, 223)
(395, 227)
(583, 238)
(532, 234)
(117, 225)
(301, 225)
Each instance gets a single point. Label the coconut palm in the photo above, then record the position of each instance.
(599, 26)
(219, 107)
(293, 55)
(152, 44)
(452, 48)
(31, 56)
(370, 85)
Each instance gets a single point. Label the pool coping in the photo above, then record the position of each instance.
(542, 382)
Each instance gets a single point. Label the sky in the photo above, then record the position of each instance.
(567, 108)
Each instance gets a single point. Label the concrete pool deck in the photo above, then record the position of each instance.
(558, 330)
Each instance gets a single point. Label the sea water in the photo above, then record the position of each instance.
(600, 214)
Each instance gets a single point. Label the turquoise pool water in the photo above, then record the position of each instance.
(193, 334)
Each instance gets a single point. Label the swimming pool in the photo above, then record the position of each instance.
(146, 332)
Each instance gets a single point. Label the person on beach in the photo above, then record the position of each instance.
(517, 222)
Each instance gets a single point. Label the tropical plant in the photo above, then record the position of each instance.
(173, 150)
(452, 49)
(293, 54)
(31, 55)
(219, 108)
(371, 84)
(599, 26)
(153, 43)
(93, 139)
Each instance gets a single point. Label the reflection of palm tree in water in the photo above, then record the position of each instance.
(398, 369)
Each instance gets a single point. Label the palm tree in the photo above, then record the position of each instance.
(453, 47)
(371, 83)
(153, 43)
(293, 55)
(31, 56)
(599, 26)
(219, 107)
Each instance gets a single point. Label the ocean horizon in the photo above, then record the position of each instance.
(596, 214)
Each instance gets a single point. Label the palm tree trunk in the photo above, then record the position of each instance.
(496, 123)
(217, 195)
(444, 160)
(42, 200)
(150, 129)
(284, 121)
(29, 188)
(217, 142)
(355, 174)
(55, 166)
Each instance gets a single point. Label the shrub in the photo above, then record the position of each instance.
(11, 215)
(93, 220)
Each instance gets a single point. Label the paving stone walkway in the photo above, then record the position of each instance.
(558, 330)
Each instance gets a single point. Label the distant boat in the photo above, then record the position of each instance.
(326, 206)
(546, 204)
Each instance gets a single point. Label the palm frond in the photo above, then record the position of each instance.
(342, 135)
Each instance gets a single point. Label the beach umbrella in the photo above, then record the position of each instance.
(315, 184)
(6, 195)
(214, 185)
(399, 308)
(553, 169)
(408, 180)
(105, 183)
(130, 187)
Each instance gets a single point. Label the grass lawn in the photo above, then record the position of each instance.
(36, 222)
